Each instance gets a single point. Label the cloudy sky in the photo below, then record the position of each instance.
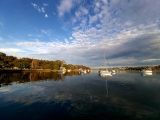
(81, 31)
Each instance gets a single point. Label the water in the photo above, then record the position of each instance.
(125, 95)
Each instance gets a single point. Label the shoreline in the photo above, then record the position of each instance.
(29, 70)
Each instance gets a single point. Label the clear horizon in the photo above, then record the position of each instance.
(81, 31)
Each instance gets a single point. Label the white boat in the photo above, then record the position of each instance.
(146, 74)
(105, 74)
(82, 71)
(104, 71)
(146, 71)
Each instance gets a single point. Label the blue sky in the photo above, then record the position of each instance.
(81, 31)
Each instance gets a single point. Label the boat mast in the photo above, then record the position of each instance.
(105, 59)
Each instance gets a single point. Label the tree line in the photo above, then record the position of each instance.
(12, 62)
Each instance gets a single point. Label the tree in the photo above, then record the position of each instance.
(35, 64)
(11, 61)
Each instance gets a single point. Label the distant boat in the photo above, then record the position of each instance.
(82, 71)
(146, 71)
(105, 74)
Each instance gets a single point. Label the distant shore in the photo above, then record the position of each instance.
(131, 68)
(28, 70)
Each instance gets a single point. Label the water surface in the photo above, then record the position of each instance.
(125, 95)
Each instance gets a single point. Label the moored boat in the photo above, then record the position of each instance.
(146, 71)
(146, 74)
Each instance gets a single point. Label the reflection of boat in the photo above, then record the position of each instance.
(107, 87)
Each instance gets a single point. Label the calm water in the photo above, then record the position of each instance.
(125, 95)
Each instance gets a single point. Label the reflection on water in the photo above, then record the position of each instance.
(125, 95)
(9, 78)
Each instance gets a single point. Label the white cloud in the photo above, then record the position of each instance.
(44, 4)
(46, 16)
(1, 38)
(34, 5)
(54, 13)
(37, 7)
(11, 50)
(47, 32)
(29, 35)
(66, 41)
(149, 60)
(104, 1)
(71, 38)
(42, 9)
(81, 12)
(65, 6)
(97, 7)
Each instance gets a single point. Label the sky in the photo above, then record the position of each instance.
(126, 32)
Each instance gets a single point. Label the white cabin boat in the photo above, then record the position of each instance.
(146, 71)
(146, 74)
(105, 74)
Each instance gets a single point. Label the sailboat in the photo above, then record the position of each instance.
(105, 72)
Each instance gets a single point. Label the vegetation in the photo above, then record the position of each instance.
(141, 68)
(11, 62)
